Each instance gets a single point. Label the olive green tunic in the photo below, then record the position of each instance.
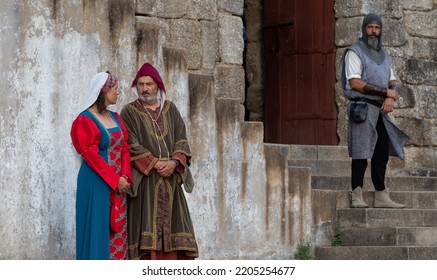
(158, 215)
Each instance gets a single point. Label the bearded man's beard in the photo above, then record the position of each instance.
(373, 42)
(149, 99)
(152, 98)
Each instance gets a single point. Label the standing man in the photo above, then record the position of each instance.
(368, 82)
(159, 222)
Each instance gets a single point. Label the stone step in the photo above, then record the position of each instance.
(385, 236)
(304, 154)
(375, 253)
(395, 183)
(413, 200)
(342, 167)
(384, 217)
(318, 152)
(324, 167)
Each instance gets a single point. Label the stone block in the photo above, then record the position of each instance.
(151, 36)
(417, 236)
(163, 8)
(421, 131)
(418, 5)
(420, 157)
(323, 210)
(210, 44)
(230, 83)
(235, 7)
(406, 96)
(231, 44)
(393, 33)
(188, 34)
(201, 88)
(253, 20)
(421, 23)
(419, 71)
(348, 30)
(424, 48)
(422, 253)
(369, 237)
(427, 101)
(303, 152)
(202, 9)
(254, 99)
(254, 62)
(347, 8)
(362, 253)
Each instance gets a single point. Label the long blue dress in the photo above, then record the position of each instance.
(97, 178)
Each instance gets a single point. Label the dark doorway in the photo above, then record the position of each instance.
(299, 71)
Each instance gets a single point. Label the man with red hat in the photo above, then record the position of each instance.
(159, 223)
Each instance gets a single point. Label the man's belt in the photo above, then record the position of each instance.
(370, 101)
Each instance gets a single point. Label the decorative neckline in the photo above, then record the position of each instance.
(105, 119)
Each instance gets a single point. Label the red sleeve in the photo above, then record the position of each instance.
(145, 164)
(85, 136)
(182, 158)
(125, 155)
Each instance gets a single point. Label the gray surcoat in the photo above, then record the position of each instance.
(362, 137)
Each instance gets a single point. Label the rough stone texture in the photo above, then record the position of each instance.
(163, 8)
(253, 60)
(254, 100)
(185, 33)
(202, 9)
(235, 7)
(210, 44)
(231, 44)
(230, 82)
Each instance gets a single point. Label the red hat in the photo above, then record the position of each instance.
(148, 70)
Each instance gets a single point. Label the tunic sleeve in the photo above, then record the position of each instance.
(125, 155)
(85, 136)
(181, 148)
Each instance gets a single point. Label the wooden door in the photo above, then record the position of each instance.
(299, 71)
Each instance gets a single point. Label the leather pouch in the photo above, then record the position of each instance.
(358, 111)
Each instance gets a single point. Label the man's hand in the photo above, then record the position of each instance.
(165, 168)
(388, 105)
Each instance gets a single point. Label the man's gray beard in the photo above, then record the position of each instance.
(373, 42)
(150, 99)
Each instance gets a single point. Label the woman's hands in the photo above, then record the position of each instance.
(123, 184)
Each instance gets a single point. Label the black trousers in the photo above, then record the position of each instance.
(378, 162)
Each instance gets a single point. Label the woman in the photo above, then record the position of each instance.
(100, 137)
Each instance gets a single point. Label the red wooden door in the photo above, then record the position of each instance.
(299, 71)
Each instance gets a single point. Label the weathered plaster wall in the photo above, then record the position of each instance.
(48, 52)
